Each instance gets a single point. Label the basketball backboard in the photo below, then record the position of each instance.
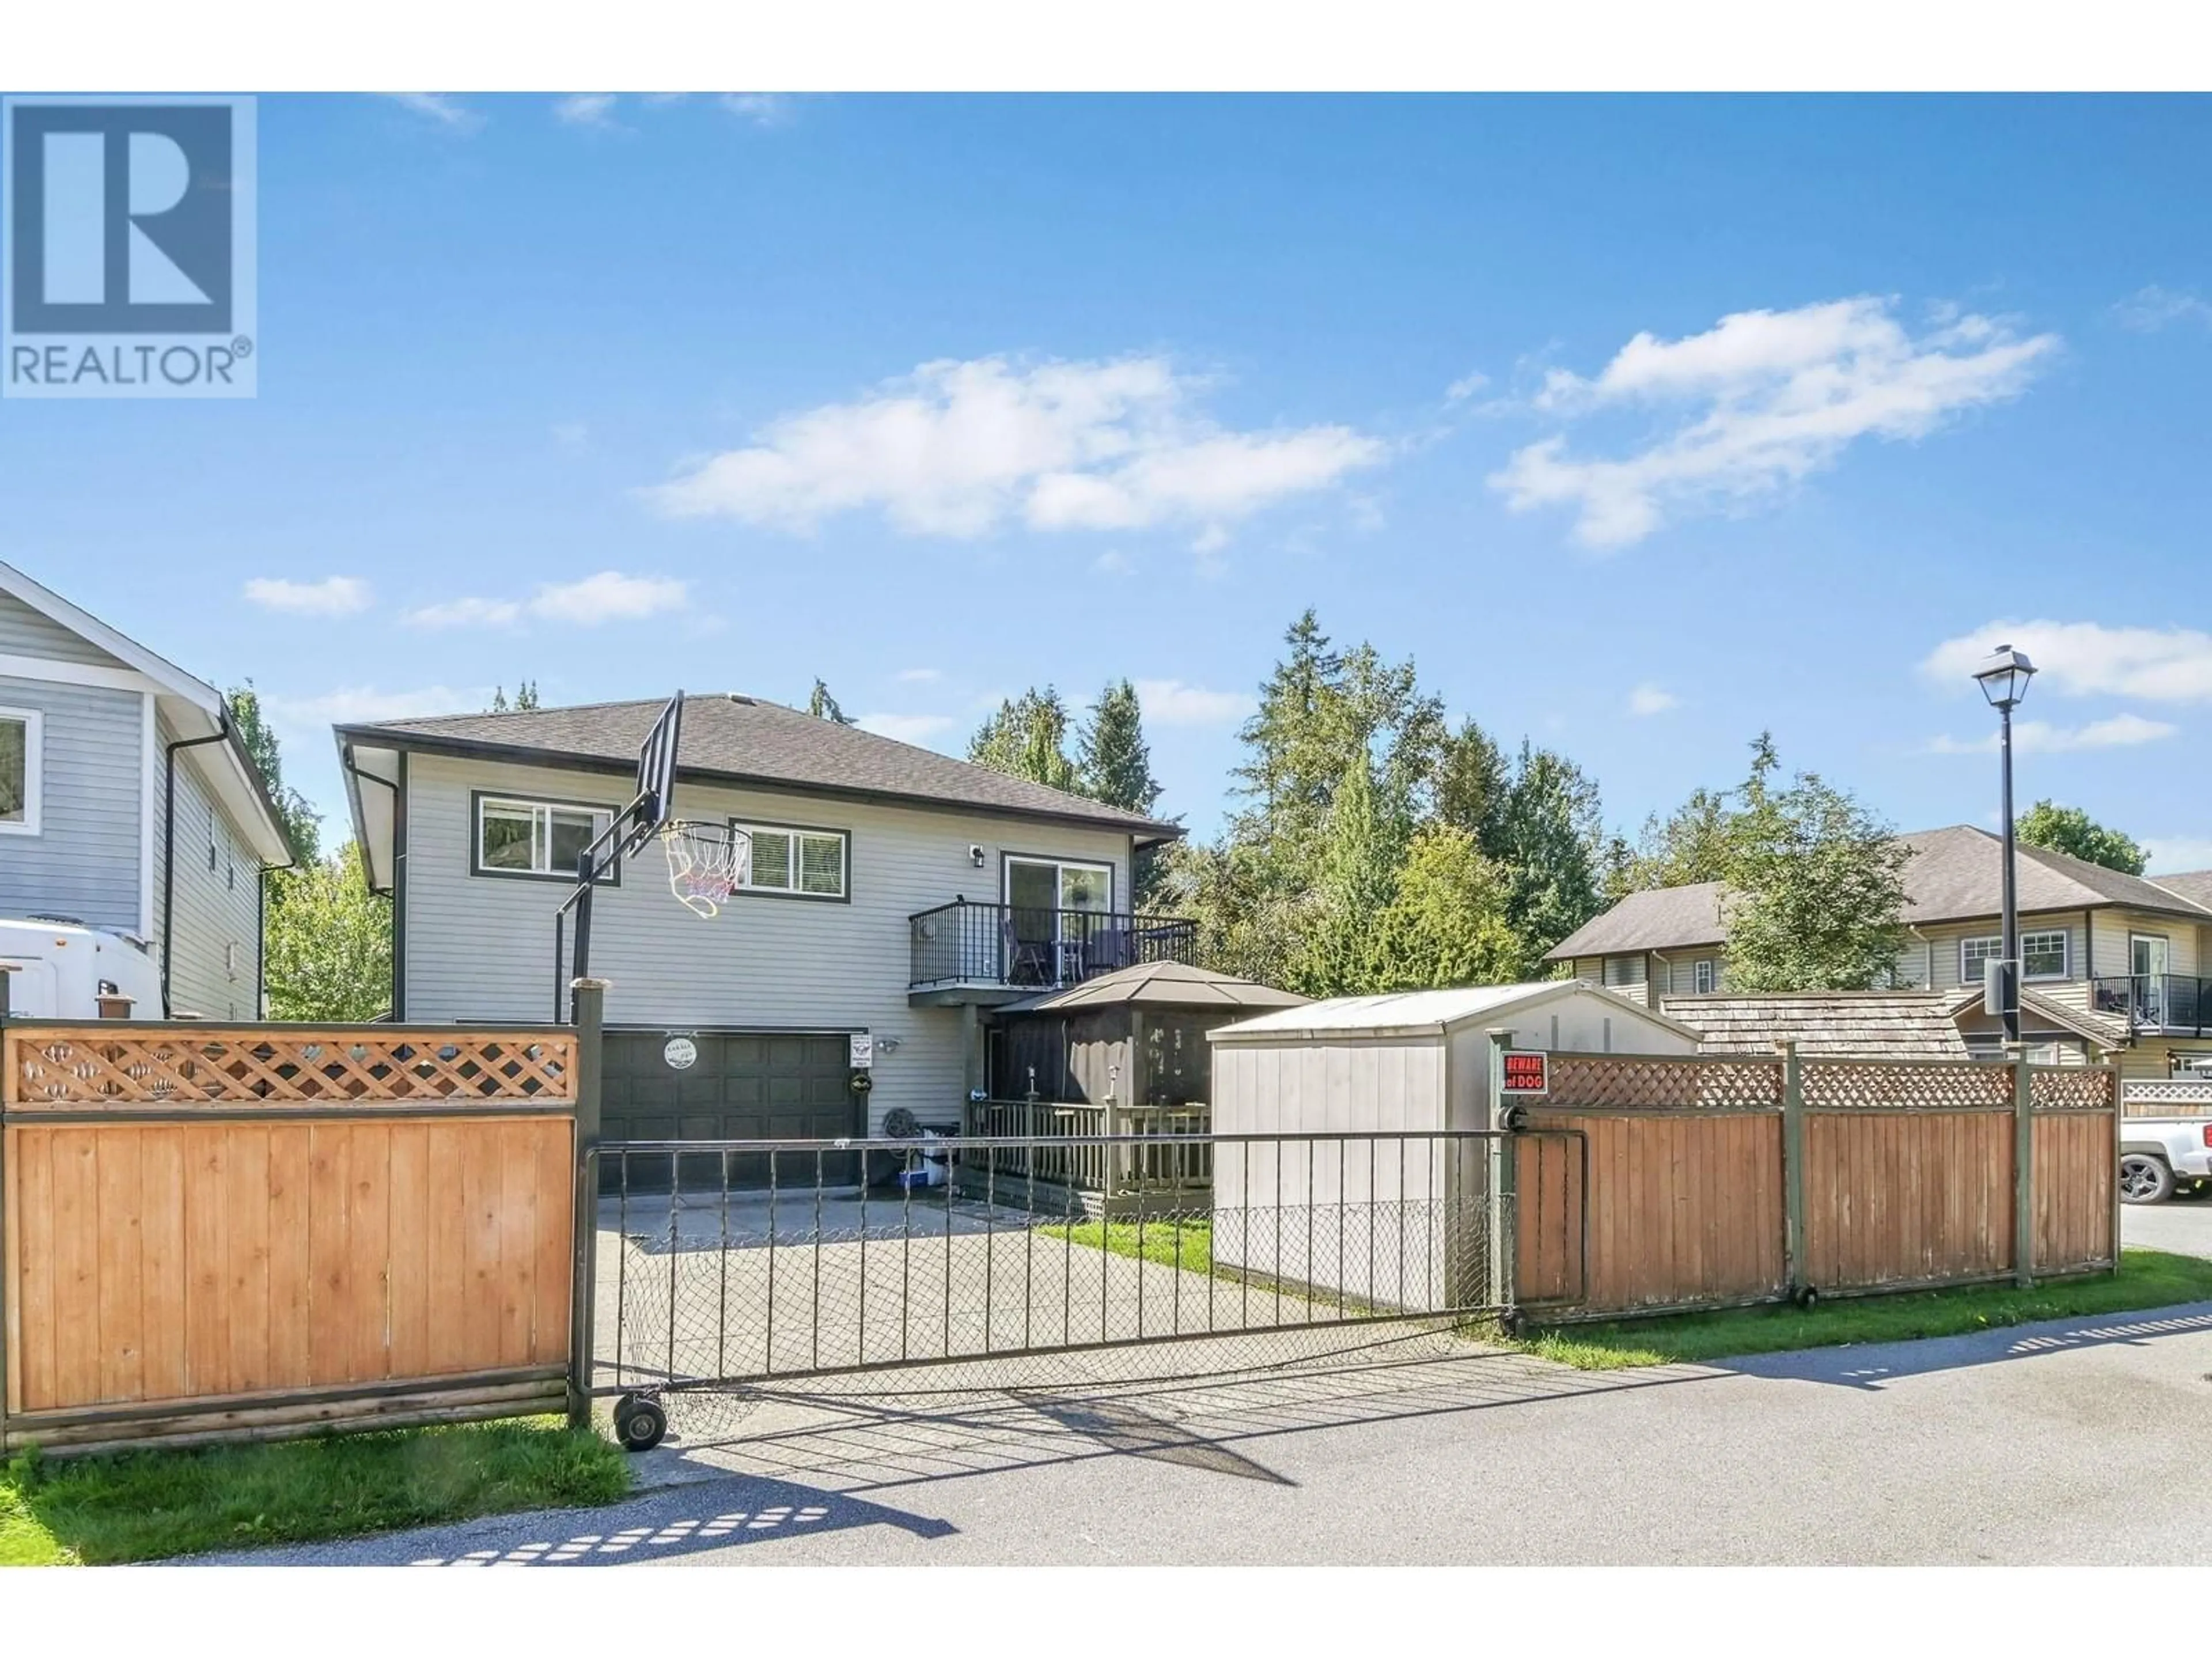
(656, 768)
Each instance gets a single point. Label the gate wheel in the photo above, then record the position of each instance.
(640, 1423)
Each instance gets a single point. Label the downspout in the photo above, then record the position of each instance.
(221, 734)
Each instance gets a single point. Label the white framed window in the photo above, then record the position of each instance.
(22, 757)
(539, 838)
(1705, 975)
(794, 861)
(2043, 954)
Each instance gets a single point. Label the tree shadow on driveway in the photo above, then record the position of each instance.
(1876, 1365)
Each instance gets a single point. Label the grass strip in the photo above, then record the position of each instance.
(2145, 1279)
(1120, 1238)
(147, 1506)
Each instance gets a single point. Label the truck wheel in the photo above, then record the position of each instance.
(2144, 1179)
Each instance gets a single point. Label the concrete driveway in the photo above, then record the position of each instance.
(2183, 1225)
(2024, 1446)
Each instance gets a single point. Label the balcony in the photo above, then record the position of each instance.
(970, 951)
(2160, 1005)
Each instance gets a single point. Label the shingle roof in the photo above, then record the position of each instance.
(1660, 919)
(738, 739)
(1954, 874)
(1159, 985)
(1826, 1024)
(2194, 885)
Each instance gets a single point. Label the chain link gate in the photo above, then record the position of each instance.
(726, 1266)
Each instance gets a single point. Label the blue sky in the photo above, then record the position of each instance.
(1640, 424)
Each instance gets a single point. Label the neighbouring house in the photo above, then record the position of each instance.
(128, 804)
(2111, 962)
(891, 893)
(1136, 1036)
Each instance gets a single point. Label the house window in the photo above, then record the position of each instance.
(794, 861)
(2042, 955)
(22, 752)
(1624, 971)
(534, 838)
(1705, 975)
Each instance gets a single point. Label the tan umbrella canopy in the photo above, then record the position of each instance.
(1159, 985)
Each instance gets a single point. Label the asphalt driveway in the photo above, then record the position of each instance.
(2183, 1225)
(2022, 1446)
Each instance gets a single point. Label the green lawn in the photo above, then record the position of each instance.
(1159, 1241)
(2147, 1279)
(142, 1506)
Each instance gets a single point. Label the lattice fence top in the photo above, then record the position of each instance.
(1690, 1083)
(2071, 1088)
(1883, 1086)
(60, 1067)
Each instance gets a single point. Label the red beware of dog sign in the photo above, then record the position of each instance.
(1525, 1072)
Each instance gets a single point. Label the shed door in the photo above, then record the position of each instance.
(740, 1087)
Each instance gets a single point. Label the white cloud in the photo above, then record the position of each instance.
(1465, 387)
(333, 596)
(2041, 738)
(2160, 665)
(961, 449)
(2150, 309)
(608, 597)
(1755, 404)
(437, 107)
(2172, 854)
(920, 676)
(586, 109)
(467, 613)
(762, 109)
(906, 728)
(1171, 702)
(1647, 700)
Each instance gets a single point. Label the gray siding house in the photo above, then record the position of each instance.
(892, 893)
(127, 802)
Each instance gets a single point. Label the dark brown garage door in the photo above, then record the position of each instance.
(741, 1087)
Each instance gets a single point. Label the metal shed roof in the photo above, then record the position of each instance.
(1426, 1013)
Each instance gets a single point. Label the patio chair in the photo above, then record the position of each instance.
(1027, 962)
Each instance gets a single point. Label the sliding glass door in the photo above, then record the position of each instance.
(1050, 904)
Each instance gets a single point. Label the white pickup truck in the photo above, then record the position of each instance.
(2160, 1156)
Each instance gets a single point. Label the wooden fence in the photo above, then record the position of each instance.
(213, 1230)
(1708, 1182)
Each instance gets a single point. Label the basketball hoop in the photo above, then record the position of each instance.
(706, 861)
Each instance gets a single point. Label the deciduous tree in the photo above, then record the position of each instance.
(2070, 829)
(328, 949)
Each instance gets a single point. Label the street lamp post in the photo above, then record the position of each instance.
(2003, 679)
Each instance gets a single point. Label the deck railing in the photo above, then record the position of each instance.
(969, 942)
(1048, 1154)
(2178, 1005)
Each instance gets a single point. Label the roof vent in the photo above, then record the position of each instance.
(739, 696)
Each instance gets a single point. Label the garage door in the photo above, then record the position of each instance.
(740, 1087)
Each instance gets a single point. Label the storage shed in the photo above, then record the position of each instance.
(1138, 1034)
(1367, 1072)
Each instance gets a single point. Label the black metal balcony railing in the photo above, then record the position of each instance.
(970, 943)
(2170, 1004)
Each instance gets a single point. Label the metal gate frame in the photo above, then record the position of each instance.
(1457, 1206)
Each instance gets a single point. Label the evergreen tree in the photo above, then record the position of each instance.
(1546, 837)
(302, 824)
(1359, 875)
(526, 699)
(823, 707)
(1027, 739)
(2070, 829)
(1114, 763)
(1446, 924)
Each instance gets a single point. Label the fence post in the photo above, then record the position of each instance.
(1505, 1182)
(1794, 1252)
(2023, 1167)
(588, 1001)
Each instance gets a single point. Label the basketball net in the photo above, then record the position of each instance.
(702, 864)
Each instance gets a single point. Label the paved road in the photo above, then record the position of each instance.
(2180, 1225)
(2044, 1443)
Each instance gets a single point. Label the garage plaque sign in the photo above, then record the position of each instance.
(861, 1053)
(681, 1053)
(1525, 1073)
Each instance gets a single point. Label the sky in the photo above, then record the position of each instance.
(1641, 424)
